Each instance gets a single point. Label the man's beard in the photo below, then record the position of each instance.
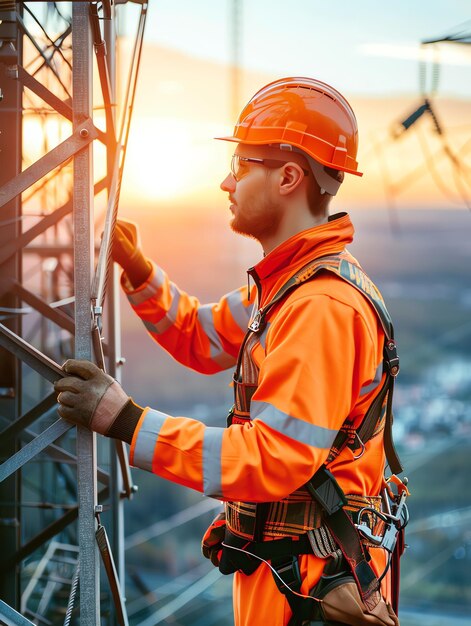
(256, 224)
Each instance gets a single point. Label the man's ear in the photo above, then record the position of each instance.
(291, 176)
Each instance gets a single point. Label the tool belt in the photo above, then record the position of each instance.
(292, 516)
(348, 592)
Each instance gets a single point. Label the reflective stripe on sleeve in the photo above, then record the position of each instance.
(171, 316)
(240, 308)
(374, 383)
(149, 290)
(216, 351)
(147, 438)
(212, 471)
(299, 430)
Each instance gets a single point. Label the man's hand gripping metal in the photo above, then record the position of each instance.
(88, 396)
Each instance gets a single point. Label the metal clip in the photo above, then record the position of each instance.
(391, 357)
(362, 451)
(394, 522)
(255, 324)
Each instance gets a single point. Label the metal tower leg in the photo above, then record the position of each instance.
(10, 270)
(83, 264)
(36, 90)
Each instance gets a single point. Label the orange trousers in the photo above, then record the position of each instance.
(258, 602)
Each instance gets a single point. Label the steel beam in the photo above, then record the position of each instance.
(83, 264)
(46, 222)
(30, 355)
(54, 315)
(44, 93)
(14, 429)
(10, 617)
(42, 54)
(11, 53)
(78, 109)
(32, 449)
(120, 472)
(80, 140)
(45, 535)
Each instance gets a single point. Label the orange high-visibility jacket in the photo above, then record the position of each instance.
(320, 361)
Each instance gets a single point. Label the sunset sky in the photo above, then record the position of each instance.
(370, 51)
(365, 47)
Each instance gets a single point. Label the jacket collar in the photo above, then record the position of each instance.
(291, 255)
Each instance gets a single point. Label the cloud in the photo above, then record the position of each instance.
(445, 53)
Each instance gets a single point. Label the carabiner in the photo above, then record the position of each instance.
(362, 451)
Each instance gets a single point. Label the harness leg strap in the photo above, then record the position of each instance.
(303, 609)
(346, 535)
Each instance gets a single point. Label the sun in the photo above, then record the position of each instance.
(161, 158)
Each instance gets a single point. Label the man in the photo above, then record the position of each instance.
(311, 381)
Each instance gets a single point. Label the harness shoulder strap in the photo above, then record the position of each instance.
(344, 266)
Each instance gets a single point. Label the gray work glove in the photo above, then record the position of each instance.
(89, 397)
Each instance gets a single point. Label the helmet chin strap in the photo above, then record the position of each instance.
(326, 182)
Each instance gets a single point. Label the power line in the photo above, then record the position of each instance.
(172, 522)
(172, 607)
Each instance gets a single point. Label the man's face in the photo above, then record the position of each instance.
(254, 203)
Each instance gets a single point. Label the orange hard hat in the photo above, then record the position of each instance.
(305, 113)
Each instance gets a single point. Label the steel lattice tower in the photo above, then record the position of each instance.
(56, 480)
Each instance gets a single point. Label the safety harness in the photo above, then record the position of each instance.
(346, 531)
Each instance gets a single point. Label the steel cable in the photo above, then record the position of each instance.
(463, 196)
(104, 261)
(73, 592)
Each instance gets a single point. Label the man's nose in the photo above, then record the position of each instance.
(229, 183)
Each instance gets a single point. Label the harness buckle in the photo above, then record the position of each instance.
(391, 357)
(256, 322)
(326, 491)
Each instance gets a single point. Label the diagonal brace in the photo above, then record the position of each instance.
(10, 617)
(79, 140)
(54, 315)
(30, 355)
(32, 449)
(47, 222)
(44, 93)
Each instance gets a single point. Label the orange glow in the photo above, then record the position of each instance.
(183, 103)
(171, 158)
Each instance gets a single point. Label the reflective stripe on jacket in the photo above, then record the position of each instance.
(319, 361)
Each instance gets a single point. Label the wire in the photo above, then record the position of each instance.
(51, 42)
(11, 312)
(100, 279)
(170, 523)
(435, 175)
(170, 588)
(273, 570)
(173, 606)
(388, 189)
(435, 71)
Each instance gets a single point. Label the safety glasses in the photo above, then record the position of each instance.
(238, 162)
